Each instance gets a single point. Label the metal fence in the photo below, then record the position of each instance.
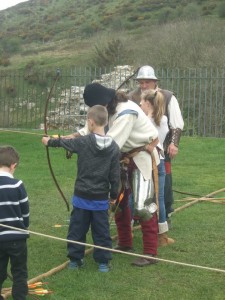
(200, 92)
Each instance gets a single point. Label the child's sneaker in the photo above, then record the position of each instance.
(103, 268)
(75, 264)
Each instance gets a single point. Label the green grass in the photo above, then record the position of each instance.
(198, 230)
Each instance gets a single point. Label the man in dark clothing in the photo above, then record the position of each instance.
(14, 211)
(97, 179)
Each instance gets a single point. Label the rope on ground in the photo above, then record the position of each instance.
(19, 131)
(115, 251)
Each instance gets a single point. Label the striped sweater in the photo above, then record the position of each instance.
(14, 208)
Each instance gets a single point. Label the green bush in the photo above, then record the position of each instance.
(87, 29)
(165, 15)
(221, 10)
(4, 60)
(111, 54)
(10, 90)
(191, 11)
(34, 75)
(11, 45)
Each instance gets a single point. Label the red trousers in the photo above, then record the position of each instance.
(123, 222)
(149, 231)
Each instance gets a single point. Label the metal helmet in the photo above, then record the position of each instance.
(146, 72)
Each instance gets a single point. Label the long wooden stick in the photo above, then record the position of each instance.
(197, 200)
(186, 205)
(217, 201)
(185, 199)
(202, 199)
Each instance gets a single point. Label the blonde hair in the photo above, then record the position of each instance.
(98, 114)
(156, 99)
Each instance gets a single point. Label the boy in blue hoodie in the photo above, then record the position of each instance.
(98, 177)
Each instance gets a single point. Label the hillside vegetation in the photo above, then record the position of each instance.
(49, 33)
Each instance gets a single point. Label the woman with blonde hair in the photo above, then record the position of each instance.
(153, 104)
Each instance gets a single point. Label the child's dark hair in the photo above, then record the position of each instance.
(8, 156)
(98, 114)
(119, 97)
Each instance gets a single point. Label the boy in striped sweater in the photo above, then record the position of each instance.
(14, 211)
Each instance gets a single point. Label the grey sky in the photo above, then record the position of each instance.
(8, 3)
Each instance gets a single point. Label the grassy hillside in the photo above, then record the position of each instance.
(67, 32)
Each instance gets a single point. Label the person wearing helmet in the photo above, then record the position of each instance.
(147, 80)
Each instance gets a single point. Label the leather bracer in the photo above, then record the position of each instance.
(175, 136)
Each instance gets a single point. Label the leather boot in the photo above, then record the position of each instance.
(123, 248)
(164, 240)
(142, 262)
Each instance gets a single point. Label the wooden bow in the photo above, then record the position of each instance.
(47, 150)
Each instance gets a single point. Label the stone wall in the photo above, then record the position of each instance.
(70, 109)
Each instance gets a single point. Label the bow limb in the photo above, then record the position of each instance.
(128, 78)
(47, 150)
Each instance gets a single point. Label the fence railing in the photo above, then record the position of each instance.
(200, 92)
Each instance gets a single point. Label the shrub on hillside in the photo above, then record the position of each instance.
(10, 90)
(221, 10)
(111, 54)
(34, 75)
(4, 61)
(11, 45)
(191, 11)
(87, 30)
(165, 15)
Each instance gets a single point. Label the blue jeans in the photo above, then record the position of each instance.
(162, 175)
(80, 221)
